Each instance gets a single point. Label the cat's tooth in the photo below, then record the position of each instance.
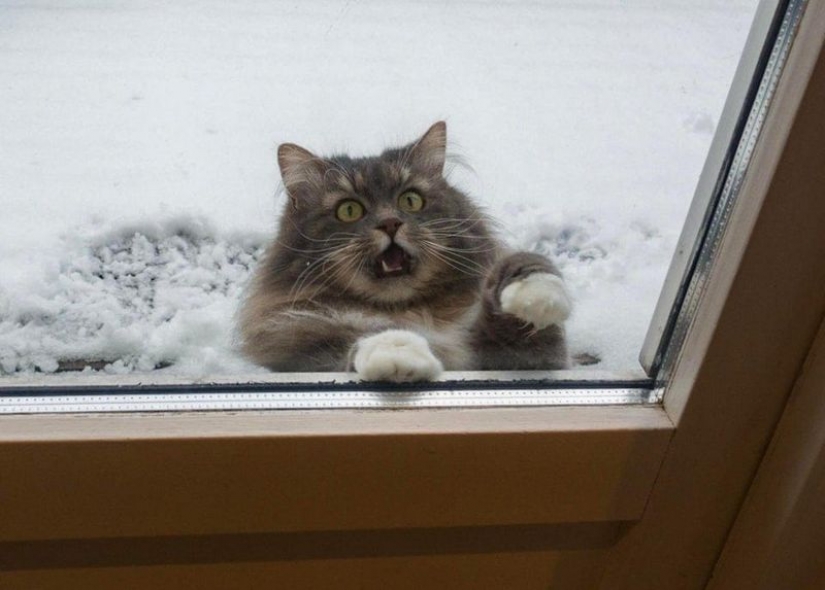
(384, 266)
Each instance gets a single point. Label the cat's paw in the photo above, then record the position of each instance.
(539, 299)
(395, 355)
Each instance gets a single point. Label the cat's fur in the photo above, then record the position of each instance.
(459, 300)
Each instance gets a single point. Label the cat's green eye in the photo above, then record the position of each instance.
(349, 211)
(411, 202)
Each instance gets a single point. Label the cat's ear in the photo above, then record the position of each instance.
(430, 151)
(300, 168)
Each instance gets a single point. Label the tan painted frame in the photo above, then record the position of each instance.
(752, 334)
(592, 497)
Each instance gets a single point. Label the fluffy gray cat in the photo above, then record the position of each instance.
(381, 267)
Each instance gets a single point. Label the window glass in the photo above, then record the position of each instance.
(138, 174)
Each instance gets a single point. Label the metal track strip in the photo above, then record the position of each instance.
(684, 311)
(228, 400)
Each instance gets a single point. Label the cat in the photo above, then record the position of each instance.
(381, 267)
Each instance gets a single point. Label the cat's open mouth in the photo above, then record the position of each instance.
(392, 262)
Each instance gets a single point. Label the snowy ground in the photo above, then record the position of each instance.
(137, 151)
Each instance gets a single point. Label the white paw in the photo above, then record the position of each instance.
(395, 355)
(539, 299)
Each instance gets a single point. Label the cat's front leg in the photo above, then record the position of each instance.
(539, 299)
(395, 355)
(524, 306)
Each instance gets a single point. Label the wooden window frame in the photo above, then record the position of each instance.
(660, 485)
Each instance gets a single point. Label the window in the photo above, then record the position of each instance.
(556, 496)
(596, 120)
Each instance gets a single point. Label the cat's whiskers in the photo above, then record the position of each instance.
(344, 236)
(452, 259)
(301, 282)
(466, 259)
(356, 274)
(465, 223)
(463, 228)
(306, 279)
(330, 268)
(337, 270)
(448, 236)
(444, 237)
(460, 252)
(455, 265)
(457, 221)
(448, 230)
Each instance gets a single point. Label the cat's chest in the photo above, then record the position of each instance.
(436, 317)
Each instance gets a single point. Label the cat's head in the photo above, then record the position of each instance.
(387, 229)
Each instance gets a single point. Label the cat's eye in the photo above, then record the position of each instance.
(349, 211)
(411, 202)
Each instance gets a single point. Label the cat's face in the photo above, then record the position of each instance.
(387, 229)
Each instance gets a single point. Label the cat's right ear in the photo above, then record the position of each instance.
(430, 151)
(300, 169)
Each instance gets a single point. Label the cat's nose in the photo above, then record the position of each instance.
(390, 226)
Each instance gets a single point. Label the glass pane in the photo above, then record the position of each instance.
(139, 154)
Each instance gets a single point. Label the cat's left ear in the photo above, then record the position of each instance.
(430, 152)
(300, 170)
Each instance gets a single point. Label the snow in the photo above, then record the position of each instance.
(137, 151)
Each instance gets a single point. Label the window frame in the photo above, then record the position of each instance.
(748, 342)
(749, 98)
(464, 389)
(67, 478)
